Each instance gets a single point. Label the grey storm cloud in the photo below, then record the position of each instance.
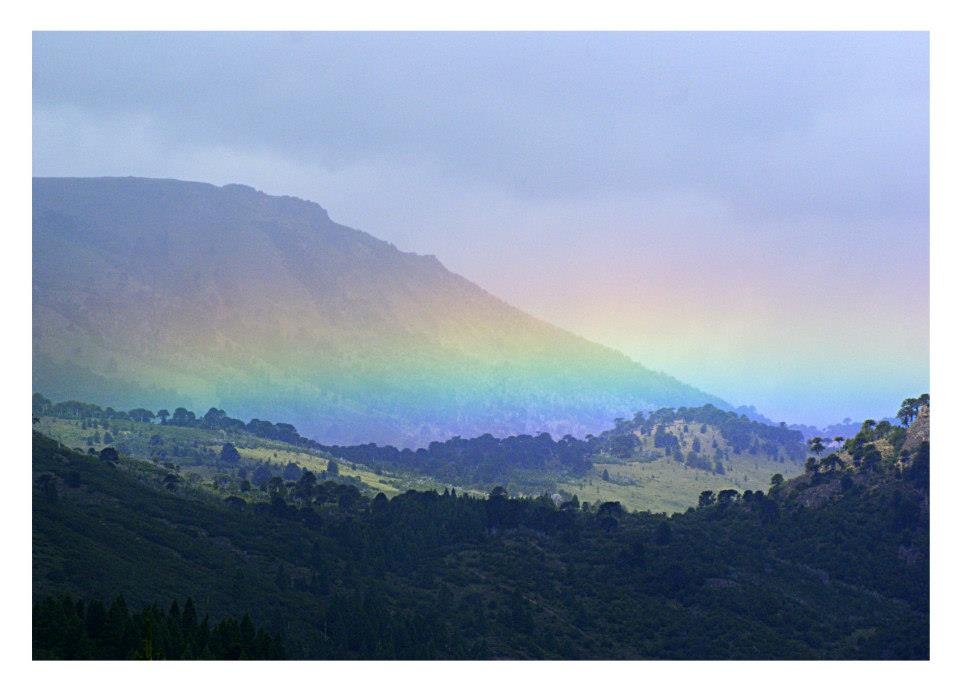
(773, 123)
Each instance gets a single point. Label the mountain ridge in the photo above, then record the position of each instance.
(227, 296)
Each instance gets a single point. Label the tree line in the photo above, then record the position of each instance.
(69, 628)
(214, 419)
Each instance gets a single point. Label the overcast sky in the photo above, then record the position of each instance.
(748, 212)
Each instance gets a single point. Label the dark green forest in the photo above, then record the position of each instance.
(831, 565)
(65, 628)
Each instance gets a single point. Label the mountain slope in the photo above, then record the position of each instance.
(162, 292)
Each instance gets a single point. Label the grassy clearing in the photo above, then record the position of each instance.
(195, 452)
(318, 464)
(669, 486)
(661, 485)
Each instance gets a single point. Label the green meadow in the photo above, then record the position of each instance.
(647, 480)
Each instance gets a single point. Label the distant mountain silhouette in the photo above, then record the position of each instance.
(164, 293)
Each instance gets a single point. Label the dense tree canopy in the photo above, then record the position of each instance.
(67, 628)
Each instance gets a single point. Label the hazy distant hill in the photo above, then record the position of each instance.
(845, 428)
(165, 293)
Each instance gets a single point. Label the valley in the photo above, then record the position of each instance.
(476, 345)
(332, 568)
(639, 475)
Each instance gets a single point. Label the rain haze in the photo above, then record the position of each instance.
(747, 212)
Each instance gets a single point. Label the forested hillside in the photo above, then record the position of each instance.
(655, 462)
(833, 564)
